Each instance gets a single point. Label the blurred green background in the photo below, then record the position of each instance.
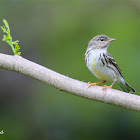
(55, 34)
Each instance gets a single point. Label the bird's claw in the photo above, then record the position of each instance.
(105, 89)
(91, 84)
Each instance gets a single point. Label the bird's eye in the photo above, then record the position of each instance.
(101, 39)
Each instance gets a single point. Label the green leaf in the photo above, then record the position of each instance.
(8, 38)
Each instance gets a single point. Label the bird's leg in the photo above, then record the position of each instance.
(93, 84)
(105, 87)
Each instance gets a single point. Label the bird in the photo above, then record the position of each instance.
(102, 65)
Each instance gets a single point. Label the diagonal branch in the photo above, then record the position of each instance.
(64, 83)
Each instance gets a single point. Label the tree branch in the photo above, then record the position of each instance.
(64, 83)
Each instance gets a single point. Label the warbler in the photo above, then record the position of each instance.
(102, 64)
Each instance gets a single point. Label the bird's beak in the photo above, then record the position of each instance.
(111, 39)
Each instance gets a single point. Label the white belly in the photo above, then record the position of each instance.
(101, 71)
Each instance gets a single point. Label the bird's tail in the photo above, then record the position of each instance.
(126, 87)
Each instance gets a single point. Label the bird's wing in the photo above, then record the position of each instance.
(112, 61)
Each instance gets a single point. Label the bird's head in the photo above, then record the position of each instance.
(100, 41)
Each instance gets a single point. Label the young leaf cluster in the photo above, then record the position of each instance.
(8, 38)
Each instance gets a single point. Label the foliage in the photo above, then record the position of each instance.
(8, 38)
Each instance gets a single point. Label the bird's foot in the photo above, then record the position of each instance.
(107, 87)
(93, 84)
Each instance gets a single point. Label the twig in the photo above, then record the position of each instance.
(64, 83)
